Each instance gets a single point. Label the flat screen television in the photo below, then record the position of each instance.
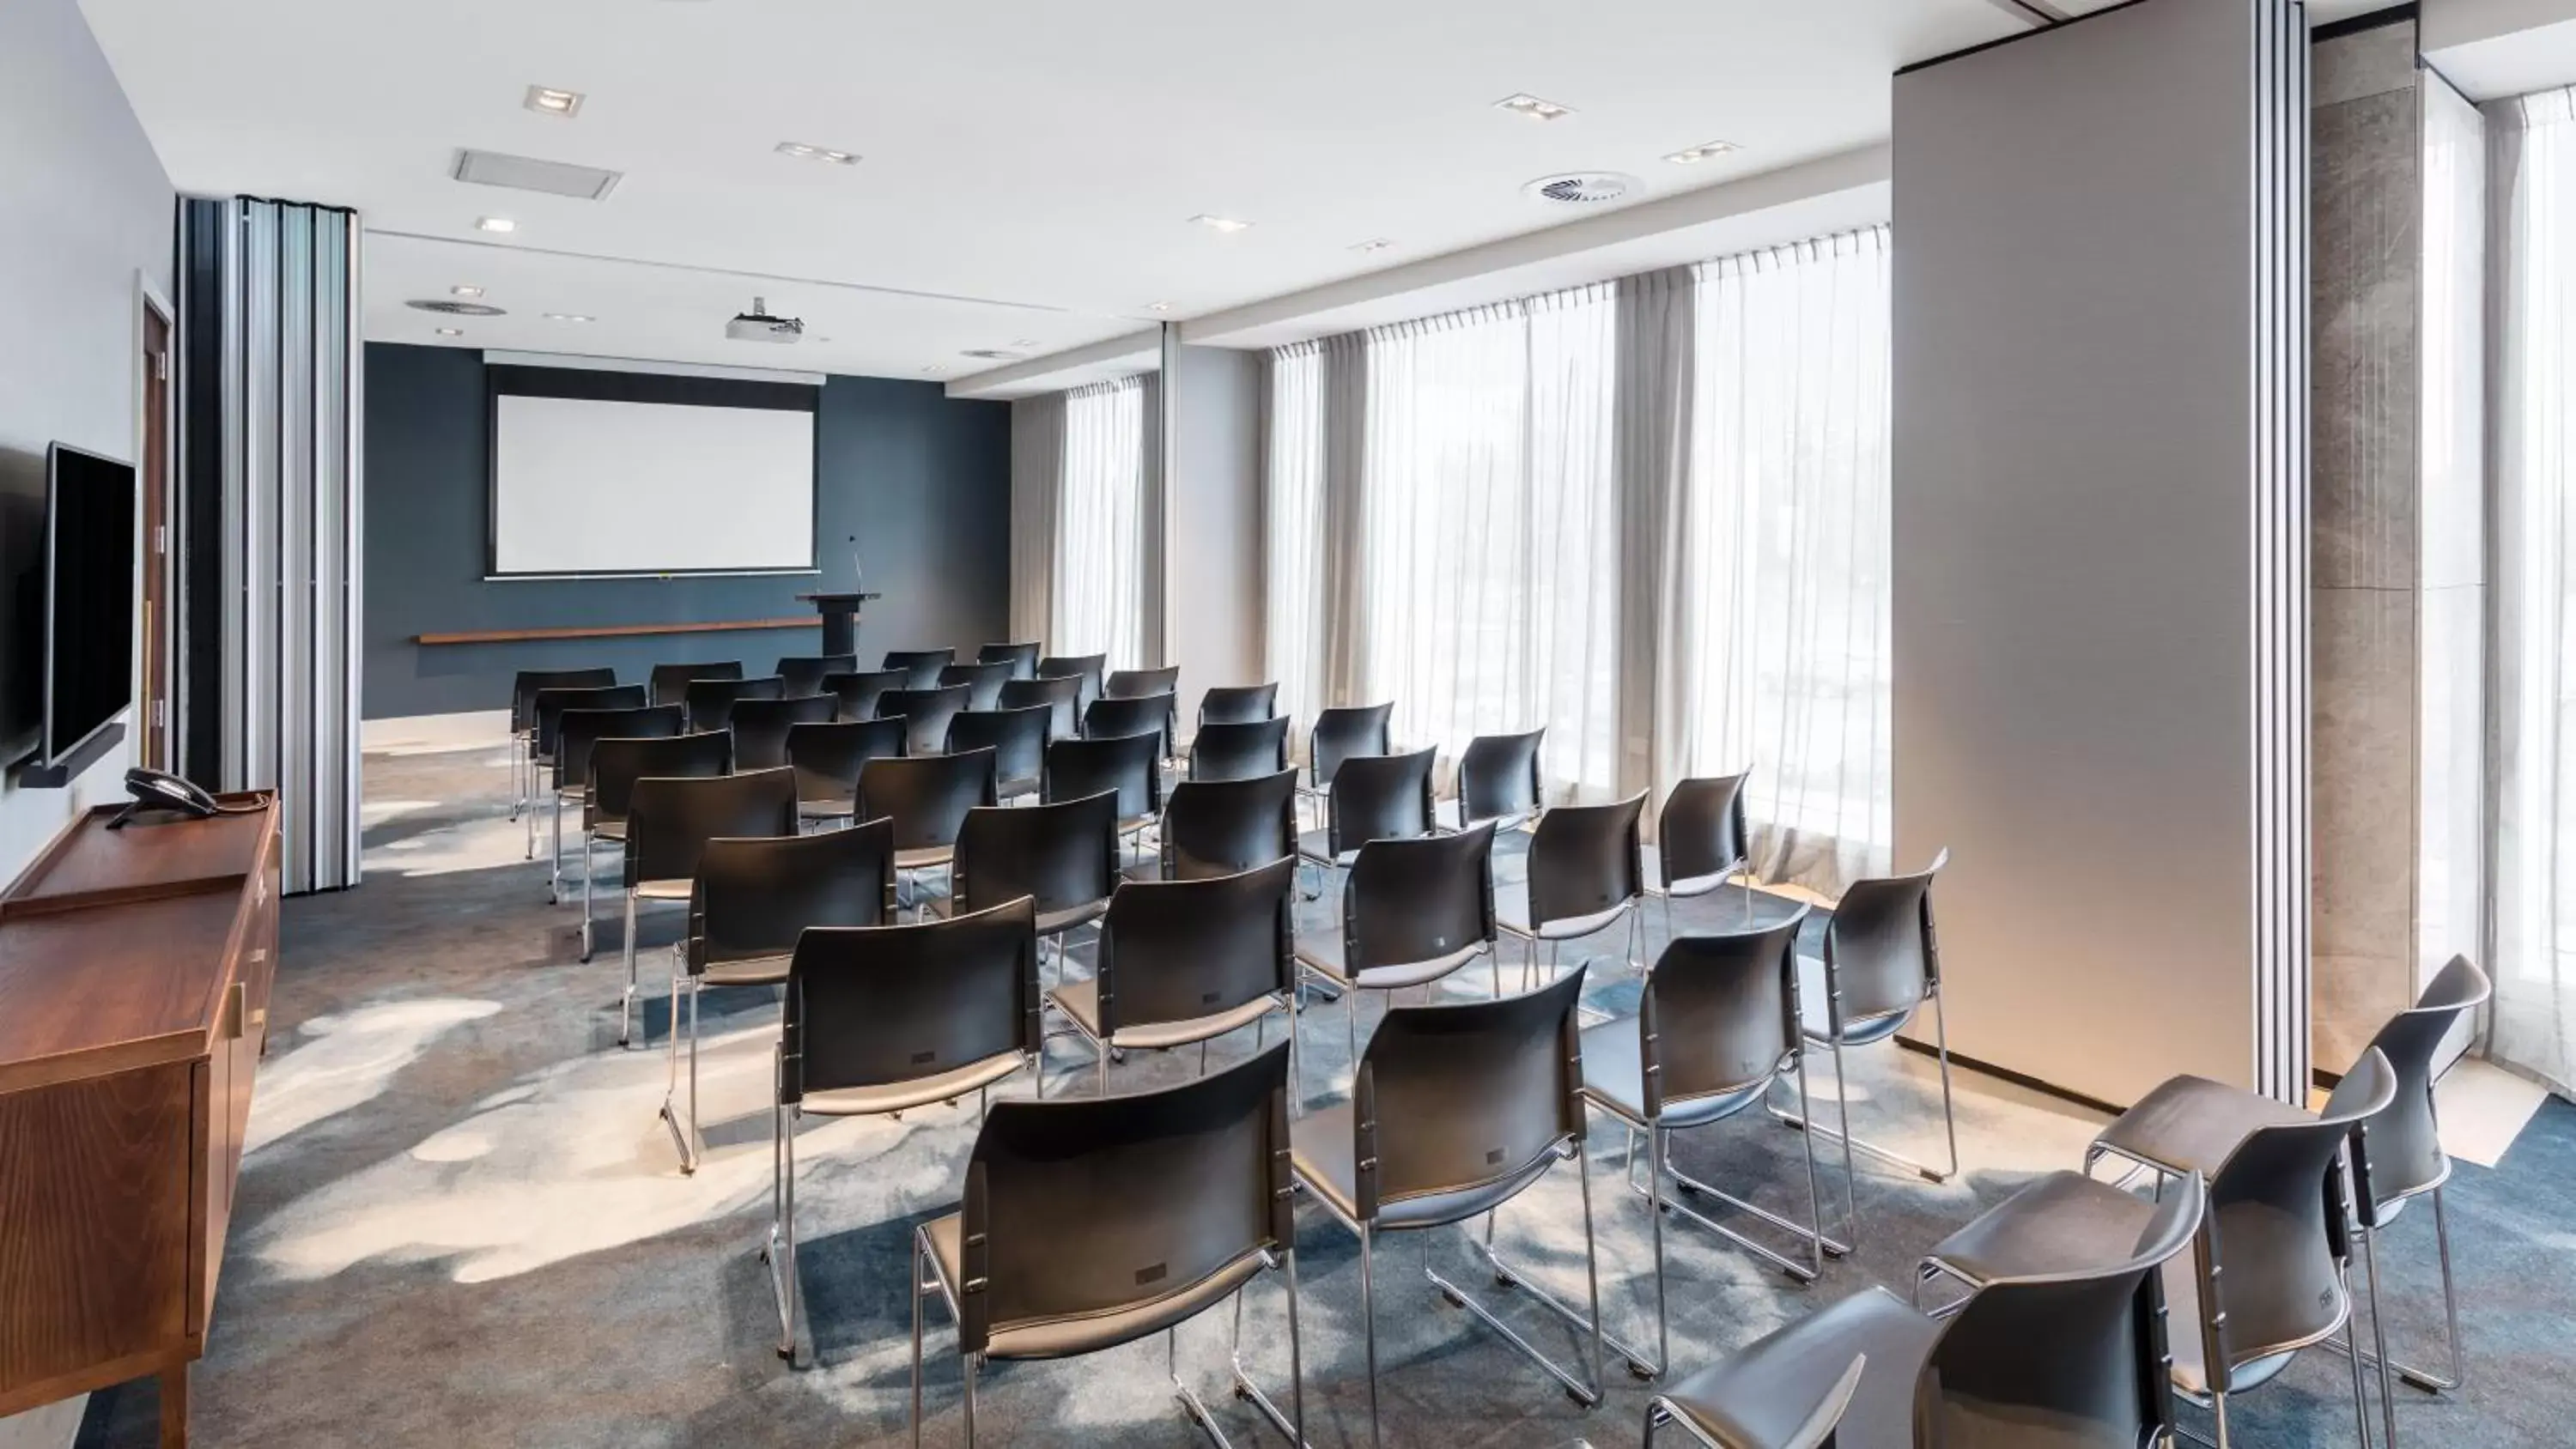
(89, 596)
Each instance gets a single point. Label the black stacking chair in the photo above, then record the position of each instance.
(1224, 827)
(1023, 658)
(1413, 911)
(1086, 667)
(927, 797)
(1089, 1224)
(1498, 778)
(1140, 683)
(926, 713)
(523, 724)
(1112, 715)
(805, 673)
(1238, 704)
(752, 899)
(1062, 697)
(983, 682)
(859, 692)
(1716, 1025)
(615, 765)
(1796, 1419)
(1240, 751)
(711, 701)
(2066, 1350)
(1017, 738)
(1454, 1110)
(576, 731)
(827, 759)
(1063, 856)
(1188, 961)
(670, 682)
(2272, 1272)
(1585, 873)
(545, 717)
(1700, 840)
(1128, 764)
(920, 667)
(1341, 733)
(887, 1019)
(760, 727)
(669, 821)
(1372, 797)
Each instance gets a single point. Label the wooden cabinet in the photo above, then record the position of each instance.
(135, 968)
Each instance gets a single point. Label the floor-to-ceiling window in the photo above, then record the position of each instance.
(1099, 532)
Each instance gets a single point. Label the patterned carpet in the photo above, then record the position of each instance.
(461, 1223)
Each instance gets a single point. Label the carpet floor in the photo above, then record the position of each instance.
(460, 1222)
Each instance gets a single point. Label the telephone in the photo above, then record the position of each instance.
(153, 790)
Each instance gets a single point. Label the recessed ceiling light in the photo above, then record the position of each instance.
(1531, 106)
(463, 291)
(994, 354)
(1221, 223)
(1024, 342)
(547, 101)
(496, 223)
(1158, 306)
(451, 331)
(1701, 152)
(1373, 244)
(568, 317)
(804, 152)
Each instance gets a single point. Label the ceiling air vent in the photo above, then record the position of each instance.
(446, 308)
(994, 354)
(526, 173)
(1581, 188)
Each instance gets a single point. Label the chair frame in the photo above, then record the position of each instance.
(1630, 912)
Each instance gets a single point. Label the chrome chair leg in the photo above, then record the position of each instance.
(916, 1341)
(683, 1136)
(1510, 1277)
(626, 1004)
(1368, 1320)
(554, 854)
(2459, 1363)
(779, 1252)
(1949, 1112)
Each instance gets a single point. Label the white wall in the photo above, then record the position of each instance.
(1214, 557)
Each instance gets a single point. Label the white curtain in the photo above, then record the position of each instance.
(1037, 471)
(2534, 455)
(1099, 598)
(1785, 538)
(1293, 529)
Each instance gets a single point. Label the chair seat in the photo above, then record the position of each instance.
(1511, 913)
(1312, 844)
(912, 1091)
(2192, 1124)
(2063, 1223)
(1323, 952)
(1767, 1389)
(1815, 1011)
(924, 857)
(1614, 1076)
(1080, 1000)
(608, 830)
(1063, 1337)
(827, 808)
(2190, 1366)
(1016, 789)
(750, 971)
(664, 890)
(1056, 923)
(1320, 1147)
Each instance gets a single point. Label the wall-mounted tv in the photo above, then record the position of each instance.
(89, 596)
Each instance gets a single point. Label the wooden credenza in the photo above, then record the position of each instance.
(134, 976)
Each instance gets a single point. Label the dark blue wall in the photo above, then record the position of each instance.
(922, 479)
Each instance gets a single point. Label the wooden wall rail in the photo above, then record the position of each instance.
(614, 631)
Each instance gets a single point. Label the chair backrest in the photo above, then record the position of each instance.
(1062, 696)
(1417, 900)
(1176, 950)
(2069, 1360)
(827, 757)
(1086, 667)
(2404, 1147)
(670, 819)
(1586, 859)
(983, 681)
(920, 666)
(546, 714)
(1342, 732)
(1240, 750)
(1017, 738)
(1238, 704)
(1078, 1209)
(616, 764)
(1023, 658)
(805, 673)
(1701, 833)
(860, 690)
(927, 713)
(577, 730)
(1880, 945)
(760, 726)
(1379, 797)
(870, 1006)
(1132, 765)
(711, 701)
(755, 895)
(926, 796)
(1719, 1013)
(670, 682)
(1131, 714)
(1453, 1098)
(1063, 855)
(1139, 683)
(524, 687)
(1498, 776)
(1224, 827)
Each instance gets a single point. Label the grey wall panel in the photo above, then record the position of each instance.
(1214, 556)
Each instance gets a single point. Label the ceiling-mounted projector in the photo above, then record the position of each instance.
(757, 325)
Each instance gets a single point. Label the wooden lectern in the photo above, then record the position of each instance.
(840, 619)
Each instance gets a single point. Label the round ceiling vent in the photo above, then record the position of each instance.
(994, 354)
(1581, 188)
(447, 308)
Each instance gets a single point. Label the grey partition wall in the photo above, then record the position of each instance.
(2101, 534)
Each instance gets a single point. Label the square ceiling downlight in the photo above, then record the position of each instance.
(526, 173)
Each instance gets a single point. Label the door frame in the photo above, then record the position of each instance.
(156, 577)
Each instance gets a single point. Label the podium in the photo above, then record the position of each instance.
(840, 619)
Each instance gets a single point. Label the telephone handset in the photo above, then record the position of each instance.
(154, 790)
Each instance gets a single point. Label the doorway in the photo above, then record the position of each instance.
(152, 712)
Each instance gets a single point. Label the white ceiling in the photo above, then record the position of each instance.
(1030, 166)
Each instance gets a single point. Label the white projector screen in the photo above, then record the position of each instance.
(586, 486)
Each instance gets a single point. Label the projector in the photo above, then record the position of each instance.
(757, 325)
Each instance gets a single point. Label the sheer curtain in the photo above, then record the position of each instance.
(1293, 529)
(2534, 454)
(1785, 539)
(1100, 526)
